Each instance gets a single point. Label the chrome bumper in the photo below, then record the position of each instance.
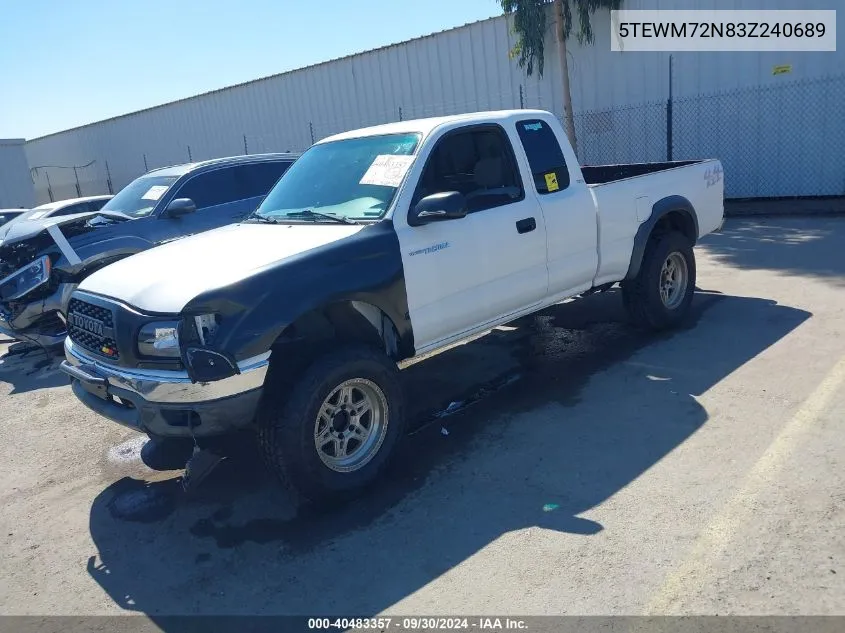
(173, 386)
(166, 402)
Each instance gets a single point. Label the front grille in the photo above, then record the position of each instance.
(90, 340)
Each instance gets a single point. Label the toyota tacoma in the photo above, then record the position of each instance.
(378, 245)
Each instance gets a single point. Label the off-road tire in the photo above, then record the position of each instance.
(641, 295)
(288, 412)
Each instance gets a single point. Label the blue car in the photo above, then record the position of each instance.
(42, 260)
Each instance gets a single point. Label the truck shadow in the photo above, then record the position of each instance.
(27, 367)
(530, 426)
(804, 245)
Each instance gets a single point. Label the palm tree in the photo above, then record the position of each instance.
(530, 26)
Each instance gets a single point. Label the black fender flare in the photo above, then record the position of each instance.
(660, 209)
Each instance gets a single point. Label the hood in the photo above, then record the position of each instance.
(164, 279)
(24, 228)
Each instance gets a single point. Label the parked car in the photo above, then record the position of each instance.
(7, 215)
(71, 206)
(42, 259)
(378, 245)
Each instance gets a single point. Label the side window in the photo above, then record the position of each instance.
(544, 156)
(79, 207)
(257, 179)
(96, 205)
(211, 188)
(479, 163)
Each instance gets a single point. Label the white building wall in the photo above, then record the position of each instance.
(16, 188)
(468, 68)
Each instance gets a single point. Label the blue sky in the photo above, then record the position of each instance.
(64, 64)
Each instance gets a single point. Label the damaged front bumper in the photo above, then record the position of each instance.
(39, 321)
(164, 402)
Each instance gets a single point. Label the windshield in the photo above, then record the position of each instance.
(354, 178)
(139, 197)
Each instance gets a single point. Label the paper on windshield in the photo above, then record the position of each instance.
(387, 170)
(155, 192)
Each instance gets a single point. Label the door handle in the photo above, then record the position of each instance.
(526, 226)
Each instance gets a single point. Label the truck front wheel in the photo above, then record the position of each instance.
(331, 432)
(660, 295)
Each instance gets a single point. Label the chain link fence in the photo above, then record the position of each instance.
(635, 134)
(779, 140)
(774, 141)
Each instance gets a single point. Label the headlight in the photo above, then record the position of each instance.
(159, 339)
(26, 279)
(203, 362)
(206, 325)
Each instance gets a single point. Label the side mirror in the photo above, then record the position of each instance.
(448, 205)
(179, 207)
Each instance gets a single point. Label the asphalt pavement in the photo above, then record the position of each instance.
(564, 464)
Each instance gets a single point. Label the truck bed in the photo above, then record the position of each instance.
(602, 174)
(625, 194)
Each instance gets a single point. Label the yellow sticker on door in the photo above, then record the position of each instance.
(551, 182)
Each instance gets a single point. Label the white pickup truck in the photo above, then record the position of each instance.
(377, 245)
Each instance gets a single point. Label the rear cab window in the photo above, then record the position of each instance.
(545, 156)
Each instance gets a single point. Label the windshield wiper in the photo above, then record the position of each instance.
(263, 218)
(308, 213)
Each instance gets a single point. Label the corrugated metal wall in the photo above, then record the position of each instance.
(619, 100)
(15, 183)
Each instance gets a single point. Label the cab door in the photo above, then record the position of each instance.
(463, 273)
(567, 207)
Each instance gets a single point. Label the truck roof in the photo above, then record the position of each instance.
(180, 170)
(426, 126)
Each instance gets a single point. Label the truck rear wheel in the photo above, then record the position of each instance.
(330, 433)
(660, 295)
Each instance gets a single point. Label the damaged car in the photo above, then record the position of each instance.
(70, 206)
(43, 259)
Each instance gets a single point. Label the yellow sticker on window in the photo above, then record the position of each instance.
(551, 182)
